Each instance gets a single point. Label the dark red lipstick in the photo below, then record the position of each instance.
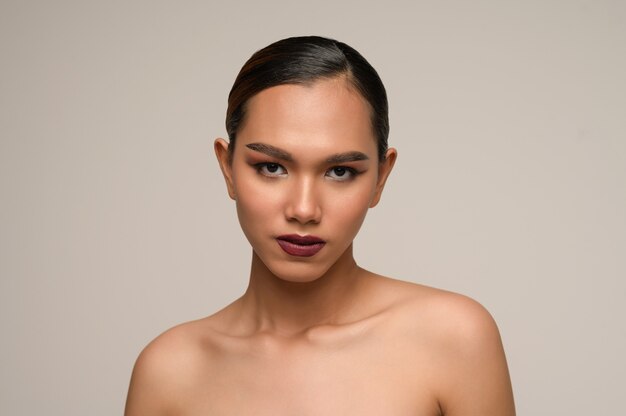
(300, 245)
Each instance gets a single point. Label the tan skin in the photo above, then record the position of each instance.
(319, 335)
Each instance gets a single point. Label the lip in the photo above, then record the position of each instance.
(300, 245)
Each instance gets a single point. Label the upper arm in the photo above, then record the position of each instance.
(147, 392)
(475, 380)
(159, 376)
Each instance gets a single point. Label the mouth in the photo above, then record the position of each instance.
(300, 246)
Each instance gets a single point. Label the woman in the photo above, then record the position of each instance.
(315, 334)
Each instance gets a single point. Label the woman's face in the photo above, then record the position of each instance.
(304, 172)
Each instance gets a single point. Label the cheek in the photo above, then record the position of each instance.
(256, 204)
(349, 208)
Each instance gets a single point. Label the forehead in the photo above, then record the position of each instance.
(325, 116)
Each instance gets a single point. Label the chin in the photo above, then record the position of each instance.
(298, 272)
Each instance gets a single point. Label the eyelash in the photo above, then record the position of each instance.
(264, 165)
(260, 166)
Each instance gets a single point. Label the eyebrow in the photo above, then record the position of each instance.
(347, 157)
(281, 154)
(271, 151)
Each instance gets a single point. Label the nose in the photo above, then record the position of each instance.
(303, 204)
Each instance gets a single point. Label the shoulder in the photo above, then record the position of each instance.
(165, 369)
(465, 361)
(473, 376)
(456, 325)
(452, 316)
(459, 320)
(175, 349)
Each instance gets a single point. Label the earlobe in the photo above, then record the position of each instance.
(223, 158)
(384, 169)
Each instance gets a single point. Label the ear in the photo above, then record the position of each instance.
(223, 158)
(384, 169)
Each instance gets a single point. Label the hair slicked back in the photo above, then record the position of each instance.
(304, 60)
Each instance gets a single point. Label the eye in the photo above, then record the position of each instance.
(341, 173)
(270, 169)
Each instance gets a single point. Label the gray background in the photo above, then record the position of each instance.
(510, 122)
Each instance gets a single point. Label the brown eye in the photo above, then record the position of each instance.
(341, 173)
(270, 169)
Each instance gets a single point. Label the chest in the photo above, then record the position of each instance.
(363, 379)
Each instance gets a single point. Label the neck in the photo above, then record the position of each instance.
(290, 308)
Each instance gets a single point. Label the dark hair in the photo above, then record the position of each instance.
(304, 60)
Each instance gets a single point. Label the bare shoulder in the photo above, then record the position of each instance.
(451, 315)
(458, 320)
(165, 368)
(176, 349)
(459, 336)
